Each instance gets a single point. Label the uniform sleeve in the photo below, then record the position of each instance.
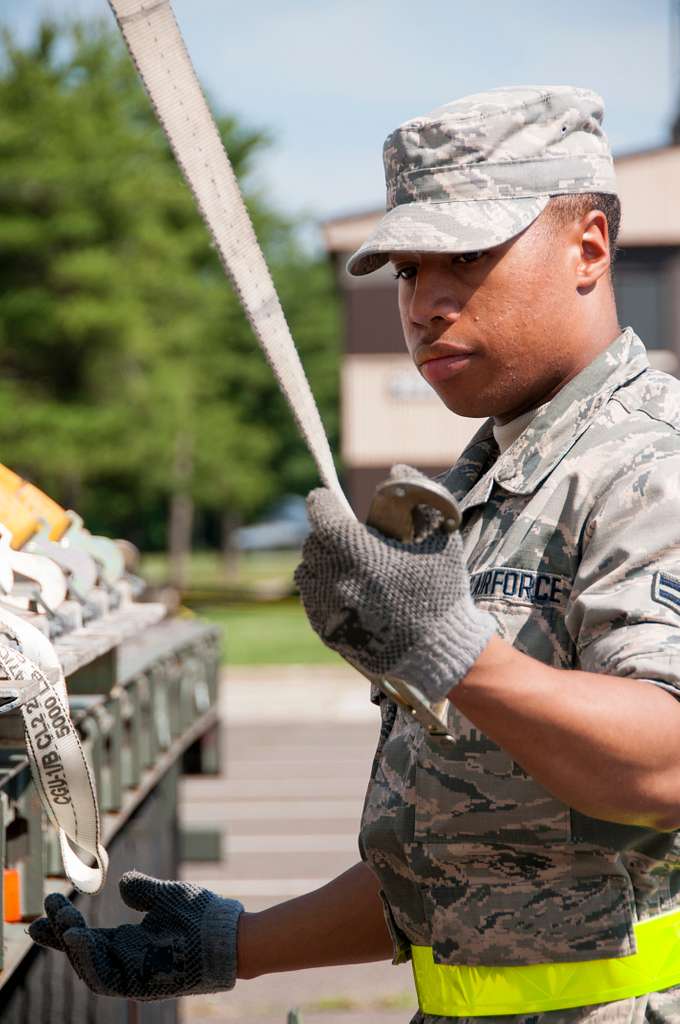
(623, 612)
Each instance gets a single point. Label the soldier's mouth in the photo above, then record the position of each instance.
(444, 367)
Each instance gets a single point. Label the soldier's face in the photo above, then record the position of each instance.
(490, 332)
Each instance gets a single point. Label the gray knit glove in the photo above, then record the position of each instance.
(185, 943)
(402, 609)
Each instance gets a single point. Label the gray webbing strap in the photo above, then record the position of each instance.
(161, 58)
(164, 65)
(35, 682)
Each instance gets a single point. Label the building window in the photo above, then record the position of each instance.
(642, 286)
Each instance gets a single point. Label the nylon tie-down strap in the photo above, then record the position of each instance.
(158, 51)
(34, 682)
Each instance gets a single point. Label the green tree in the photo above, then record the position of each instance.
(130, 383)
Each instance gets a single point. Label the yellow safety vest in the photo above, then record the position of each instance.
(446, 990)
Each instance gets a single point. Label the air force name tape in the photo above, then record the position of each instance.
(522, 586)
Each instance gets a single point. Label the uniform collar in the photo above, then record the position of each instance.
(553, 431)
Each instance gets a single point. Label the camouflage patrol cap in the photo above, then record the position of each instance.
(477, 171)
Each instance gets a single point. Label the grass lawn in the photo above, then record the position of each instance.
(269, 634)
(259, 633)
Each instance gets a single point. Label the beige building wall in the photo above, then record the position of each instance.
(649, 187)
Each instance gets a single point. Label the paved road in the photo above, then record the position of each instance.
(298, 748)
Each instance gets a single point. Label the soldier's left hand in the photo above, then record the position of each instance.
(186, 942)
(389, 607)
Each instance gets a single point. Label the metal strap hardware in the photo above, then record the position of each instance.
(36, 501)
(395, 502)
(392, 512)
(31, 533)
(52, 584)
(64, 528)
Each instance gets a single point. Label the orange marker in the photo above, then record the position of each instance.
(11, 895)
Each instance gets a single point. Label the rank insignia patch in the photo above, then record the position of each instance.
(666, 590)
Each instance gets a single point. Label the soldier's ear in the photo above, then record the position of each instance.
(594, 255)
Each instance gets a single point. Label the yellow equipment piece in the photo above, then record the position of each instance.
(36, 501)
(18, 519)
(459, 991)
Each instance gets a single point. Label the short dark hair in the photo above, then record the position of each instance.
(565, 209)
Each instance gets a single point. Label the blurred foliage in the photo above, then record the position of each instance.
(127, 370)
(206, 568)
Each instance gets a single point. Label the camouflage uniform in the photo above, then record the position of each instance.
(573, 544)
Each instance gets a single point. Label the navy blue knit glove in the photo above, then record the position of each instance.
(185, 943)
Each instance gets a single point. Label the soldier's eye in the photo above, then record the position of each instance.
(404, 273)
(469, 257)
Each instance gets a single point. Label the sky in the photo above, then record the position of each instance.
(329, 80)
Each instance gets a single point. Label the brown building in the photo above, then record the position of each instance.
(389, 413)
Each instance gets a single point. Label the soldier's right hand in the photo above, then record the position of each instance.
(400, 608)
